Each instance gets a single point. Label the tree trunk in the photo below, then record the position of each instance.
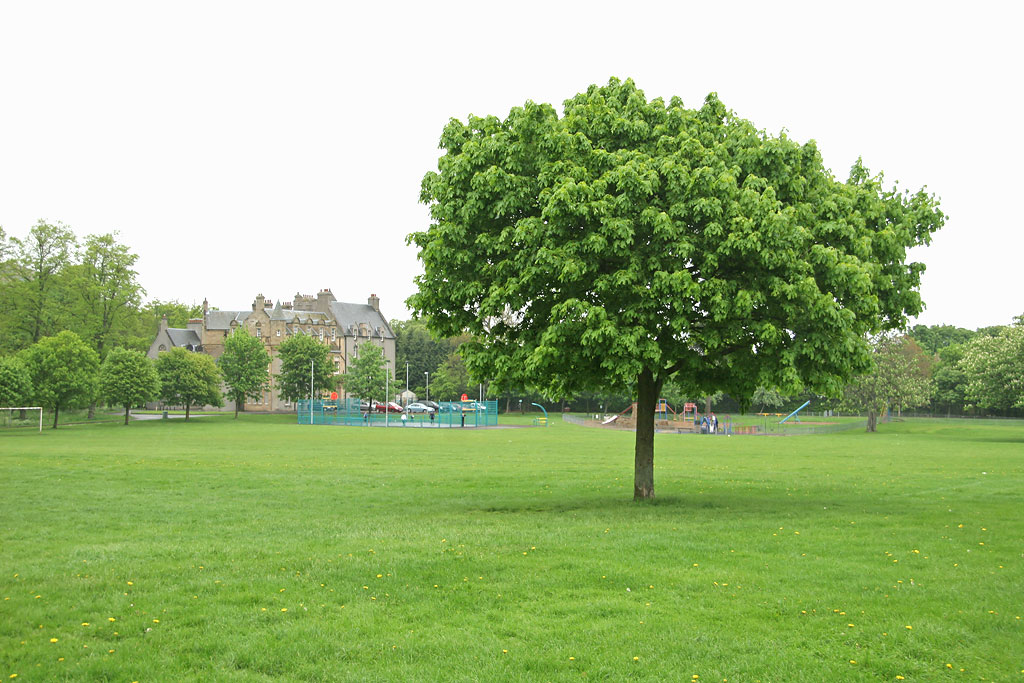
(127, 411)
(187, 406)
(707, 405)
(236, 408)
(92, 410)
(56, 412)
(643, 473)
(872, 420)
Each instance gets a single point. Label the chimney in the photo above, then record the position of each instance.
(257, 305)
(163, 322)
(375, 302)
(206, 307)
(323, 300)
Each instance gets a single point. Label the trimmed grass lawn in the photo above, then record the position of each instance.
(257, 549)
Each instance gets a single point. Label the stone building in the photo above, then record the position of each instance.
(342, 326)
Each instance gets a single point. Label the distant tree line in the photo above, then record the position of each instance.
(938, 370)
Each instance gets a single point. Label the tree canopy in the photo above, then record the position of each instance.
(296, 353)
(631, 241)
(15, 383)
(63, 372)
(366, 375)
(897, 379)
(245, 364)
(993, 368)
(128, 378)
(188, 378)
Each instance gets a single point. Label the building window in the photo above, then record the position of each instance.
(259, 331)
(279, 333)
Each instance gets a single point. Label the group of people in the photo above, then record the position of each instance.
(709, 424)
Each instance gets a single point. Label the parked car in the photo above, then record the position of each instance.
(389, 407)
(431, 404)
(472, 407)
(418, 407)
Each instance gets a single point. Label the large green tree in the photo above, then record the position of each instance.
(994, 369)
(630, 241)
(188, 378)
(299, 355)
(246, 367)
(63, 371)
(367, 375)
(128, 378)
(105, 290)
(36, 303)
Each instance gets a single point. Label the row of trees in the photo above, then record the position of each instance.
(63, 371)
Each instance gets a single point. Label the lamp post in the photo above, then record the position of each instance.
(428, 384)
(387, 400)
(406, 380)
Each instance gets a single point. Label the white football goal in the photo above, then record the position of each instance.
(10, 414)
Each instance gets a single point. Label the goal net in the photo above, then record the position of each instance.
(13, 420)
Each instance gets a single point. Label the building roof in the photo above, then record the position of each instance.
(345, 317)
(353, 314)
(221, 320)
(184, 338)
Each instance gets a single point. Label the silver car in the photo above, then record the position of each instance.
(418, 408)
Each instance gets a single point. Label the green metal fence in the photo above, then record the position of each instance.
(351, 412)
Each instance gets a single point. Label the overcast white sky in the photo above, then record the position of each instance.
(253, 147)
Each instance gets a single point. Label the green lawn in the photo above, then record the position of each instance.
(257, 549)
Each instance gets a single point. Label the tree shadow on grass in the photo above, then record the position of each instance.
(674, 503)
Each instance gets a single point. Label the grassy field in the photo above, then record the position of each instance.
(257, 549)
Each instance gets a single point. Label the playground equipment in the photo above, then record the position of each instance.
(541, 421)
(793, 414)
(690, 412)
(662, 410)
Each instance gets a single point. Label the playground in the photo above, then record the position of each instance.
(689, 421)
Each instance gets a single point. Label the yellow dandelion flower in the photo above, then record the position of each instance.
(85, 623)
(60, 659)
(379, 575)
(949, 666)
(853, 661)
(53, 640)
(130, 583)
(636, 659)
(284, 609)
(898, 677)
(156, 621)
(110, 651)
(909, 628)
(849, 625)
(111, 619)
(572, 659)
(504, 652)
